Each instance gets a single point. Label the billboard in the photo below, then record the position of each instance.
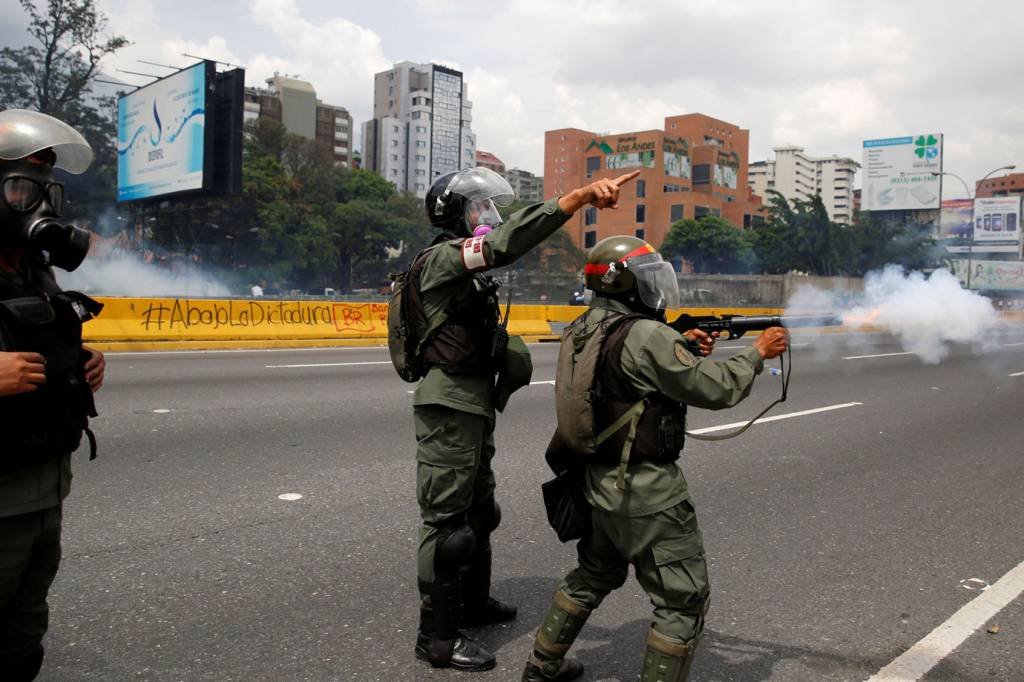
(898, 173)
(163, 137)
(996, 275)
(997, 225)
(956, 224)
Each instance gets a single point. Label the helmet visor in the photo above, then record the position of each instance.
(482, 183)
(656, 285)
(482, 212)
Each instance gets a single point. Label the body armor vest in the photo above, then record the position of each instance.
(463, 342)
(659, 433)
(36, 316)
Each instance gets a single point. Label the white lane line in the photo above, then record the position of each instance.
(877, 355)
(538, 383)
(790, 415)
(1017, 374)
(1008, 345)
(330, 364)
(792, 345)
(916, 661)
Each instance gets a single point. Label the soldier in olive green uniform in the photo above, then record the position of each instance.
(641, 512)
(47, 376)
(454, 405)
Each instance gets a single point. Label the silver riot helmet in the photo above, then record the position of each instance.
(23, 133)
(479, 192)
(31, 146)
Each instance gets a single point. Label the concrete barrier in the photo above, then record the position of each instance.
(181, 323)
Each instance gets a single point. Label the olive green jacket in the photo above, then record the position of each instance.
(656, 359)
(450, 272)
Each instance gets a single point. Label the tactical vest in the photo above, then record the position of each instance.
(659, 432)
(36, 316)
(462, 341)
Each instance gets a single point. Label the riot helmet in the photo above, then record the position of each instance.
(631, 270)
(31, 146)
(463, 201)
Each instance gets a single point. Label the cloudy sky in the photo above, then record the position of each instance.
(823, 75)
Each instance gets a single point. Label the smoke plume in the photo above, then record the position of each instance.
(925, 313)
(127, 276)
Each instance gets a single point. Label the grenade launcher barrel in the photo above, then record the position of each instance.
(735, 326)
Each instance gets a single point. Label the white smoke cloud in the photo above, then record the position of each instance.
(927, 314)
(126, 276)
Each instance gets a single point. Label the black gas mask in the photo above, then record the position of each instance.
(30, 204)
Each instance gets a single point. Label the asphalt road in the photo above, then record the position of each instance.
(836, 539)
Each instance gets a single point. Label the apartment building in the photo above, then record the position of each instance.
(421, 127)
(293, 103)
(797, 176)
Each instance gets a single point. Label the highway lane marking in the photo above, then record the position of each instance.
(789, 415)
(1008, 345)
(330, 364)
(877, 355)
(1017, 374)
(916, 661)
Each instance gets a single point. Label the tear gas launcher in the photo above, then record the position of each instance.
(735, 326)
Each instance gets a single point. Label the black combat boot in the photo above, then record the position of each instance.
(479, 608)
(439, 641)
(563, 623)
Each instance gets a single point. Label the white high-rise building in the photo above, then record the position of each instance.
(795, 175)
(421, 126)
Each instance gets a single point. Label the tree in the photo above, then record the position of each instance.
(55, 76)
(877, 243)
(711, 244)
(801, 236)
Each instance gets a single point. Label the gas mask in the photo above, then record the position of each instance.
(31, 146)
(30, 204)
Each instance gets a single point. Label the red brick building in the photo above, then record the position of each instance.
(1004, 186)
(696, 166)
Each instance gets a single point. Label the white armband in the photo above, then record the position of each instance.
(473, 254)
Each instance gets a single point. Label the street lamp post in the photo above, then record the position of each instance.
(970, 242)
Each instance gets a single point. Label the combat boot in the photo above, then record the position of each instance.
(667, 659)
(439, 641)
(479, 608)
(556, 634)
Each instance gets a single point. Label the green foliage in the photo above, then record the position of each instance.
(710, 244)
(54, 75)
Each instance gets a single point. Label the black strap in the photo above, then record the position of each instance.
(785, 391)
(92, 443)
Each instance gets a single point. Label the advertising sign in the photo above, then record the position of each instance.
(162, 136)
(996, 275)
(956, 224)
(997, 225)
(898, 173)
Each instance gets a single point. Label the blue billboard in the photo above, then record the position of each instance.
(162, 136)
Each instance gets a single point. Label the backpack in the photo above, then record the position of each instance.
(406, 323)
(574, 388)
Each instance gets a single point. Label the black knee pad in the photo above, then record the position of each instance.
(454, 549)
(484, 517)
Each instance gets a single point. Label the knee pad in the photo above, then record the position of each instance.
(454, 549)
(485, 517)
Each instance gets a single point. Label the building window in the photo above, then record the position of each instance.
(394, 129)
(394, 143)
(590, 216)
(421, 143)
(394, 171)
(746, 221)
(394, 157)
(421, 157)
(639, 233)
(415, 114)
(589, 239)
(641, 189)
(702, 174)
(420, 186)
(593, 164)
(700, 212)
(675, 212)
(641, 213)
